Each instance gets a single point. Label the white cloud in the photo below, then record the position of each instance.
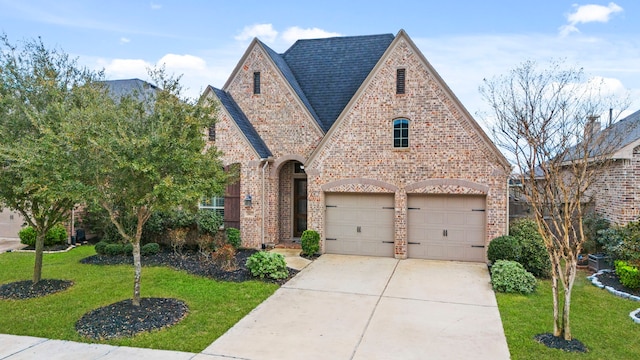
(264, 32)
(295, 33)
(125, 68)
(155, 6)
(589, 13)
(124, 40)
(183, 62)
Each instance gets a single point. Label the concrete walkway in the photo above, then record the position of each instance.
(352, 307)
(340, 307)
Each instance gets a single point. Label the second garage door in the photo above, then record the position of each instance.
(359, 224)
(446, 227)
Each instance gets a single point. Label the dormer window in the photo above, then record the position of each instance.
(256, 82)
(401, 133)
(400, 79)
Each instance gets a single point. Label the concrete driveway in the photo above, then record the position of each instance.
(355, 307)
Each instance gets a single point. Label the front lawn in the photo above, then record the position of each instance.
(213, 306)
(599, 319)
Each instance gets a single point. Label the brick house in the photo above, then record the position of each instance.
(360, 139)
(616, 192)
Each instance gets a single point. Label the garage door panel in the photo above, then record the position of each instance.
(446, 227)
(361, 224)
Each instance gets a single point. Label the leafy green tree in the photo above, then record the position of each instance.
(40, 90)
(143, 152)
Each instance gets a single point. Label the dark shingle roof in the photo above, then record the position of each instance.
(243, 123)
(625, 131)
(329, 71)
(140, 88)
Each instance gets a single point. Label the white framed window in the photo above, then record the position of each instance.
(401, 133)
(215, 203)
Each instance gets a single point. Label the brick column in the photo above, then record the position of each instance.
(400, 224)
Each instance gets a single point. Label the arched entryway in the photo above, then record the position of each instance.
(292, 201)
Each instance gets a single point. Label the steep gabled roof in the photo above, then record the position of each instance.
(291, 79)
(243, 123)
(329, 71)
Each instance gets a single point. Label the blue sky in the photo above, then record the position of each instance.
(465, 41)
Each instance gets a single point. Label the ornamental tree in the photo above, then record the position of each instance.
(545, 118)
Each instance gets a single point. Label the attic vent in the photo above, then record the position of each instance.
(400, 76)
(212, 133)
(256, 82)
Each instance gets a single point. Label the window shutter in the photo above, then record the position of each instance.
(400, 79)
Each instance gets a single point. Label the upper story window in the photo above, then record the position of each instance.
(256, 82)
(401, 133)
(400, 80)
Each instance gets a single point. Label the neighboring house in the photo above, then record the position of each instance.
(360, 139)
(616, 193)
(10, 224)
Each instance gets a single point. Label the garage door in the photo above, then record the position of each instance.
(359, 224)
(10, 224)
(446, 227)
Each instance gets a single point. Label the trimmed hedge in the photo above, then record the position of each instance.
(233, 237)
(629, 275)
(310, 242)
(57, 235)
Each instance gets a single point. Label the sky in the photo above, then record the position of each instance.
(465, 41)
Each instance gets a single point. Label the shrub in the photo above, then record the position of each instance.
(114, 249)
(225, 257)
(533, 253)
(28, 236)
(267, 264)
(127, 249)
(233, 237)
(504, 248)
(57, 235)
(593, 224)
(101, 247)
(611, 241)
(310, 242)
(150, 249)
(205, 244)
(178, 238)
(208, 221)
(629, 275)
(511, 277)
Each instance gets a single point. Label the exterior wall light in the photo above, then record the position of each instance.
(247, 200)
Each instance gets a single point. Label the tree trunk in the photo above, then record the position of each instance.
(137, 266)
(555, 272)
(37, 268)
(571, 276)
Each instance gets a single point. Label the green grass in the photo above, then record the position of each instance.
(599, 320)
(213, 306)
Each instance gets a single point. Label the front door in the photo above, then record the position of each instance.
(299, 206)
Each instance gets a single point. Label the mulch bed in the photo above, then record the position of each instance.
(21, 290)
(611, 279)
(555, 342)
(123, 319)
(59, 247)
(191, 262)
